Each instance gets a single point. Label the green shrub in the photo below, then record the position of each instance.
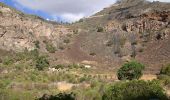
(81, 20)
(135, 90)
(34, 53)
(37, 44)
(61, 47)
(66, 41)
(41, 63)
(50, 48)
(27, 55)
(76, 66)
(8, 61)
(92, 54)
(122, 41)
(92, 94)
(60, 96)
(100, 29)
(82, 79)
(19, 66)
(131, 70)
(4, 83)
(124, 28)
(165, 70)
(165, 79)
(1, 13)
(75, 31)
(141, 49)
(59, 66)
(165, 75)
(9, 94)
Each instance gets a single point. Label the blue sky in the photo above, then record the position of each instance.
(61, 10)
(27, 10)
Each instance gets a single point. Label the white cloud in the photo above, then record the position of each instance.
(71, 17)
(160, 0)
(69, 10)
(68, 17)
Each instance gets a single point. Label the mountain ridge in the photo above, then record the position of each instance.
(127, 29)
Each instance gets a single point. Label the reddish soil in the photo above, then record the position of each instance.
(156, 55)
(75, 53)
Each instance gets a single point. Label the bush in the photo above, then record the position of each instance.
(34, 54)
(37, 44)
(81, 20)
(76, 66)
(41, 63)
(61, 47)
(165, 75)
(92, 54)
(50, 48)
(59, 66)
(165, 79)
(131, 70)
(66, 41)
(60, 96)
(135, 90)
(100, 29)
(4, 83)
(9, 94)
(75, 31)
(27, 55)
(165, 70)
(8, 61)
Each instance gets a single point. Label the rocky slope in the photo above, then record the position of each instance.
(131, 29)
(19, 31)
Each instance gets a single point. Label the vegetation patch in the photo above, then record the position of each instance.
(92, 54)
(50, 48)
(60, 96)
(100, 29)
(75, 31)
(66, 41)
(8, 61)
(42, 63)
(37, 44)
(135, 90)
(165, 70)
(131, 70)
(165, 75)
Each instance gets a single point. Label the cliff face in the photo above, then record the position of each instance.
(19, 31)
(153, 21)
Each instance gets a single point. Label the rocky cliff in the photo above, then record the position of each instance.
(19, 31)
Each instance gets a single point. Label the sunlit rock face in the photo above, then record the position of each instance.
(19, 31)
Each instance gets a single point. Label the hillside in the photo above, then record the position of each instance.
(19, 31)
(129, 30)
(39, 56)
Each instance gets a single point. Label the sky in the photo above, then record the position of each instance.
(62, 10)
